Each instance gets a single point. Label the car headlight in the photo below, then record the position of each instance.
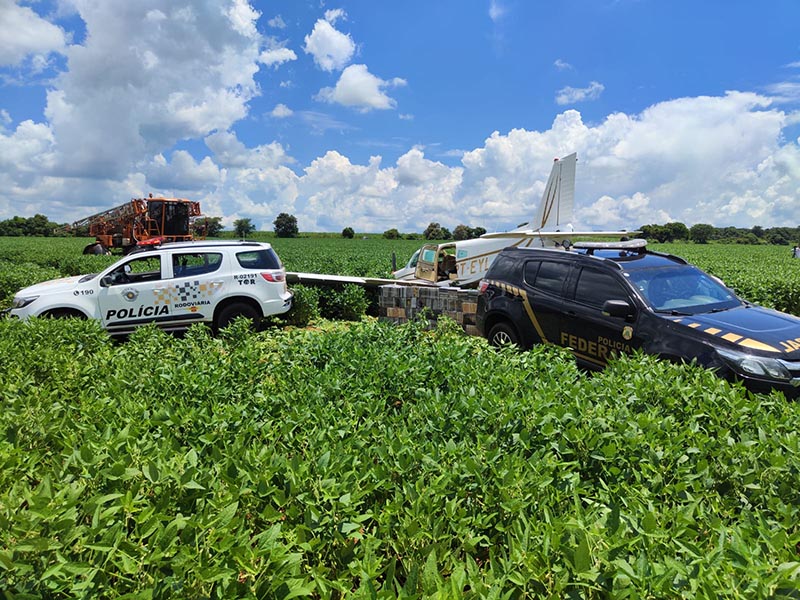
(756, 366)
(22, 301)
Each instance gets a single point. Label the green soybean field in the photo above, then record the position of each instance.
(369, 460)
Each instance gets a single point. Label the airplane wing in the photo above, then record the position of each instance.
(333, 280)
(550, 235)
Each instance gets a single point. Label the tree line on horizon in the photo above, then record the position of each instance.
(703, 233)
(285, 225)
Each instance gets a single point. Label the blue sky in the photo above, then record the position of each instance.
(376, 115)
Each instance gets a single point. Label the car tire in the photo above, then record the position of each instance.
(63, 313)
(97, 248)
(503, 334)
(229, 313)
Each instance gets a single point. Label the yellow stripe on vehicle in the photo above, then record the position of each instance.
(694, 325)
(532, 316)
(756, 345)
(713, 330)
(732, 337)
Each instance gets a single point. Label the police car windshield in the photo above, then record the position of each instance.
(682, 289)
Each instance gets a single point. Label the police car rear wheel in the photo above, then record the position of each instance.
(503, 334)
(239, 309)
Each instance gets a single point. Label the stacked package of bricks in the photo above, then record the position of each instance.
(401, 303)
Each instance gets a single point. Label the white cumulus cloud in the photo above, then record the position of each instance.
(330, 48)
(281, 111)
(275, 57)
(25, 33)
(359, 88)
(118, 101)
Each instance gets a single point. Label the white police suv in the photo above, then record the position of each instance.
(173, 286)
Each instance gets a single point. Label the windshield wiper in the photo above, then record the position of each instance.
(672, 312)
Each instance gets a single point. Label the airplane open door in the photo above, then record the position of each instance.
(427, 265)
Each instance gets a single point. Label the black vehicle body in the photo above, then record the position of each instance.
(598, 301)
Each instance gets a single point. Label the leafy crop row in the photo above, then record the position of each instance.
(380, 461)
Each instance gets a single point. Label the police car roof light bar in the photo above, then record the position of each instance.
(638, 244)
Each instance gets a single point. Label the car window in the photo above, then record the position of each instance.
(143, 268)
(502, 268)
(531, 269)
(196, 263)
(551, 276)
(595, 287)
(258, 259)
(684, 289)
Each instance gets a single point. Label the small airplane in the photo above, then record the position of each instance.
(464, 263)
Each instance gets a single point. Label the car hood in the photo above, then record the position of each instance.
(753, 329)
(53, 286)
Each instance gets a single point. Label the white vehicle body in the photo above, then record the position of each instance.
(173, 286)
(463, 263)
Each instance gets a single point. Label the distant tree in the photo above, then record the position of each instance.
(701, 233)
(478, 232)
(434, 231)
(677, 231)
(658, 233)
(778, 236)
(757, 231)
(12, 227)
(728, 232)
(37, 225)
(462, 232)
(243, 227)
(348, 233)
(285, 225)
(208, 226)
(748, 238)
(446, 235)
(391, 234)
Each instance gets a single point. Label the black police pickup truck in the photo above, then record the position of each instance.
(602, 298)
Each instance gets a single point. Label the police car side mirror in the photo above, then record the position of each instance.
(107, 281)
(617, 308)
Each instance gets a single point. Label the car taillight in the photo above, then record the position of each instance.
(274, 277)
(482, 285)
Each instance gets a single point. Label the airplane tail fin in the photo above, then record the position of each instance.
(555, 210)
